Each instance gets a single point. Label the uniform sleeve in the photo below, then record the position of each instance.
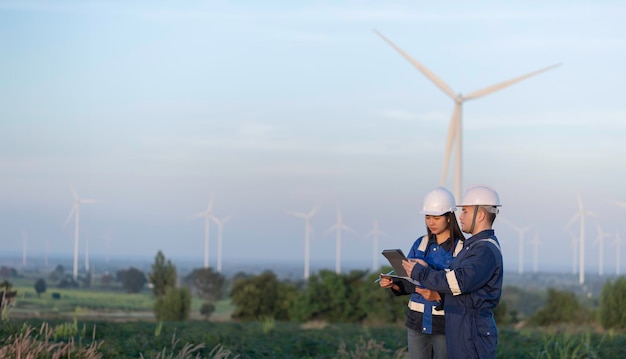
(475, 270)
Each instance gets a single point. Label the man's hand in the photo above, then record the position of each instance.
(408, 265)
(428, 294)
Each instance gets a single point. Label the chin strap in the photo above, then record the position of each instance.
(471, 230)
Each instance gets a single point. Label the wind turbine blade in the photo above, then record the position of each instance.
(297, 214)
(346, 228)
(580, 202)
(618, 203)
(72, 211)
(226, 219)
(502, 85)
(452, 127)
(199, 215)
(592, 214)
(571, 221)
(331, 229)
(88, 200)
(74, 192)
(314, 211)
(426, 72)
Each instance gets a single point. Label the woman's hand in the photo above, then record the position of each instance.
(387, 282)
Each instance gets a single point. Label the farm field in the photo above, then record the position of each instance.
(291, 340)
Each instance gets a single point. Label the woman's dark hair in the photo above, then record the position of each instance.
(455, 231)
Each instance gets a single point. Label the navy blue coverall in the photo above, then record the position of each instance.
(472, 287)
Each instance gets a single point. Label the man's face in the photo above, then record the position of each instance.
(467, 215)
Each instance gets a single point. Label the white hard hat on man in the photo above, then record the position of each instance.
(483, 196)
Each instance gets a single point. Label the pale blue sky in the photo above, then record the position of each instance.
(152, 105)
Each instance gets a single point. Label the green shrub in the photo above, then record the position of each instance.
(175, 305)
(612, 311)
(560, 307)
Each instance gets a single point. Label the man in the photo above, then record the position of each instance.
(471, 287)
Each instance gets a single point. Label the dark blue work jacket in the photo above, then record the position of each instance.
(472, 287)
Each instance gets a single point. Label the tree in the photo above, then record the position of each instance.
(163, 275)
(612, 311)
(40, 286)
(133, 280)
(174, 305)
(262, 296)
(560, 307)
(208, 284)
(58, 273)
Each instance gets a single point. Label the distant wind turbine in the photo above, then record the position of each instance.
(520, 231)
(208, 217)
(86, 251)
(76, 212)
(375, 233)
(24, 246)
(600, 239)
(536, 244)
(618, 250)
(455, 125)
(580, 215)
(617, 239)
(220, 230)
(307, 236)
(575, 245)
(337, 228)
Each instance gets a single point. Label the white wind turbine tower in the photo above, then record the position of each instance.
(618, 245)
(338, 227)
(536, 244)
(24, 246)
(208, 217)
(520, 231)
(375, 233)
(617, 240)
(580, 215)
(455, 126)
(86, 252)
(574, 243)
(600, 239)
(76, 212)
(220, 231)
(307, 236)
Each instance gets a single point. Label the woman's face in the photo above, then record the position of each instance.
(437, 224)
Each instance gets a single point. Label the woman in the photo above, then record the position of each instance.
(425, 317)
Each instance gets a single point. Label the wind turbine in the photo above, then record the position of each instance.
(208, 216)
(580, 215)
(86, 251)
(617, 240)
(375, 233)
(520, 231)
(307, 236)
(24, 246)
(76, 212)
(220, 230)
(536, 243)
(574, 243)
(455, 125)
(338, 227)
(618, 245)
(600, 239)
